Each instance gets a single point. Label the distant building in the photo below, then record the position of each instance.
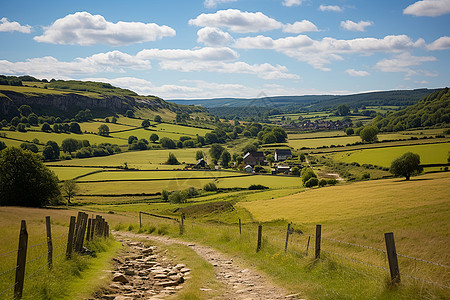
(284, 169)
(248, 169)
(254, 158)
(282, 154)
(201, 163)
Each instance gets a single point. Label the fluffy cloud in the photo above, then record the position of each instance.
(203, 54)
(299, 27)
(213, 36)
(214, 3)
(442, 43)
(355, 73)
(320, 52)
(403, 62)
(428, 8)
(7, 26)
(49, 66)
(352, 26)
(290, 3)
(85, 29)
(334, 8)
(265, 70)
(237, 21)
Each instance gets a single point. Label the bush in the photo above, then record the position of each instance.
(313, 181)
(257, 187)
(192, 192)
(323, 182)
(366, 176)
(210, 187)
(165, 195)
(178, 197)
(295, 171)
(332, 181)
(172, 160)
(307, 173)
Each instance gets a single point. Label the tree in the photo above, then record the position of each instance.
(307, 173)
(70, 189)
(172, 160)
(103, 130)
(129, 114)
(249, 148)
(323, 182)
(55, 148)
(28, 146)
(210, 187)
(2, 145)
(69, 145)
(154, 137)
(199, 154)
(406, 165)
(349, 131)
(145, 123)
(295, 171)
(167, 143)
(369, 134)
(158, 119)
(216, 151)
(33, 119)
(225, 157)
(313, 181)
(25, 110)
(343, 110)
(270, 158)
(25, 180)
(132, 138)
(114, 120)
(74, 127)
(48, 153)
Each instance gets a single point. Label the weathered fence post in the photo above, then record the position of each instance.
(88, 231)
(21, 260)
(107, 230)
(240, 226)
(81, 232)
(287, 237)
(98, 225)
(258, 246)
(318, 237)
(140, 221)
(392, 257)
(93, 224)
(182, 223)
(49, 241)
(307, 245)
(77, 227)
(70, 237)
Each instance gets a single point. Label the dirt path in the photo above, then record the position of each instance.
(240, 283)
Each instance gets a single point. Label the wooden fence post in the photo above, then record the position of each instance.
(392, 257)
(307, 245)
(79, 239)
(140, 221)
(70, 237)
(97, 225)
(107, 230)
(77, 226)
(318, 237)
(49, 242)
(182, 223)
(21, 260)
(258, 246)
(93, 224)
(287, 237)
(240, 226)
(88, 231)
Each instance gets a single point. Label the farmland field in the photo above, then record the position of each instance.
(160, 174)
(66, 173)
(93, 126)
(429, 154)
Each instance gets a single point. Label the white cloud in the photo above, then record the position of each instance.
(355, 73)
(237, 21)
(403, 62)
(49, 66)
(334, 8)
(321, 52)
(442, 43)
(213, 36)
(352, 26)
(7, 26)
(428, 8)
(290, 3)
(203, 54)
(299, 27)
(214, 3)
(265, 70)
(85, 29)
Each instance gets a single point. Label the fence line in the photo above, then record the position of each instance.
(12, 269)
(355, 260)
(427, 281)
(423, 260)
(357, 245)
(9, 252)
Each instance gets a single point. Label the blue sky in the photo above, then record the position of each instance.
(231, 48)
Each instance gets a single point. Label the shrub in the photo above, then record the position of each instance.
(178, 197)
(307, 173)
(295, 171)
(257, 187)
(210, 187)
(165, 195)
(192, 192)
(172, 160)
(323, 182)
(332, 181)
(366, 176)
(313, 181)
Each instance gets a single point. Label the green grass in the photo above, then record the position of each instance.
(131, 175)
(66, 173)
(429, 154)
(93, 126)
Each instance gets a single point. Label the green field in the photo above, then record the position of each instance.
(429, 154)
(66, 173)
(142, 175)
(93, 126)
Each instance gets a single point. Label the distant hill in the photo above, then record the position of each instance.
(67, 98)
(432, 111)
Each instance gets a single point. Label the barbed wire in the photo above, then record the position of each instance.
(354, 260)
(40, 244)
(9, 252)
(426, 281)
(36, 258)
(4, 291)
(8, 271)
(352, 244)
(423, 260)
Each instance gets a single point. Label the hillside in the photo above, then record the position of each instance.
(432, 110)
(67, 98)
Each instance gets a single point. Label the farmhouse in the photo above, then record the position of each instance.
(248, 169)
(254, 158)
(201, 163)
(283, 169)
(282, 154)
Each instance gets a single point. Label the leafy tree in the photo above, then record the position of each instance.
(106, 120)
(70, 189)
(55, 148)
(74, 127)
(158, 119)
(307, 173)
(216, 151)
(295, 171)
(313, 181)
(28, 146)
(154, 137)
(199, 154)
(406, 165)
(201, 140)
(33, 119)
(172, 160)
(302, 157)
(210, 187)
(349, 131)
(269, 138)
(15, 121)
(165, 195)
(332, 181)
(211, 138)
(2, 145)
(25, 110)
(129, 113)
(21, 127)
(131, 138)
(280, 134)
(114, 120)
(48, 153)
(167, 143)
(25, 180)
(249, 148)
(369, 134)
(323, 182)
(343, 110)
(270, 158)
(103, 130)
(69, 145)
(178, 197)
(225, 157)
(145, 123)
